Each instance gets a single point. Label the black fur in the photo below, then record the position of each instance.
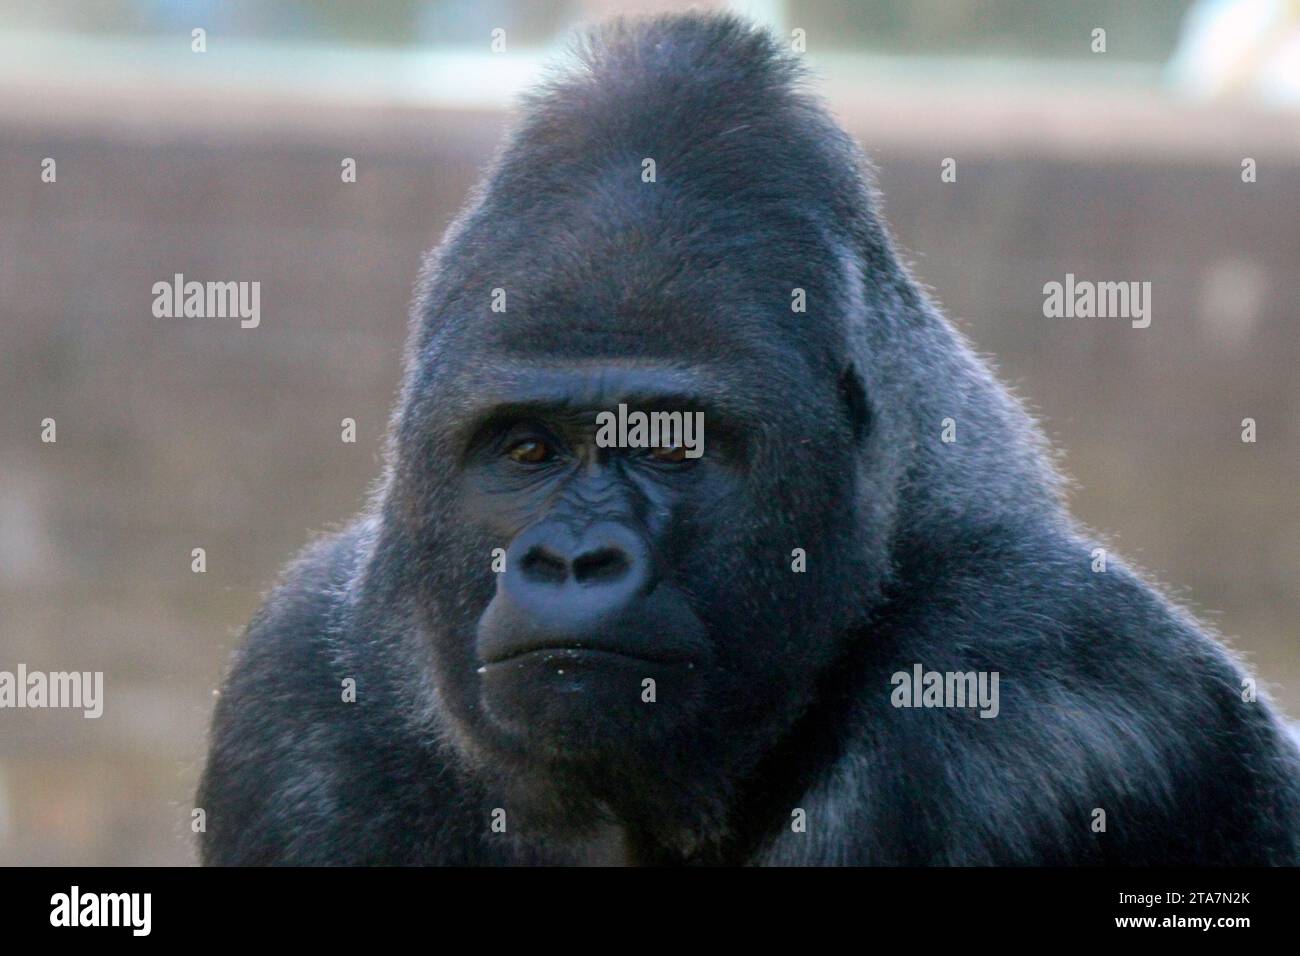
(957, 556)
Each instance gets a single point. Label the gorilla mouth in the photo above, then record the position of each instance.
(577, 650)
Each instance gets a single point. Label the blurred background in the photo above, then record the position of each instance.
(1122, 163)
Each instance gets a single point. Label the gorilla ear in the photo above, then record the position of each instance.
(854, 396)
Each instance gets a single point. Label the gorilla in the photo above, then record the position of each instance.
(537, 647)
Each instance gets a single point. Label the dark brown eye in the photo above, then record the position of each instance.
(530, 452)
(673, 456)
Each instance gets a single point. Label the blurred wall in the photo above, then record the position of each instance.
(183, 433)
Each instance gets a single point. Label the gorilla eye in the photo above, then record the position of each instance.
(530, 452)
(672, 456)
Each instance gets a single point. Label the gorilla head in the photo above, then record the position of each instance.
(651, 632)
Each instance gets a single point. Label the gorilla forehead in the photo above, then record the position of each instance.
(495, 382)
(638, 281)
(679, 345)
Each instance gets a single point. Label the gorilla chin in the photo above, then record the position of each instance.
(579, 705)
(580, 640)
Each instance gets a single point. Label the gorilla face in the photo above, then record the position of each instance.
(589, 611)
(648, 614)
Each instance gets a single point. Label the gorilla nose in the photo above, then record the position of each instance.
(566, 581)
(604, 555)
(545, 564)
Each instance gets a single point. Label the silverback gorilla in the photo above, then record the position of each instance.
(568, 652)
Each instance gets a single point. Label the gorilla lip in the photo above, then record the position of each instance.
(577, 650)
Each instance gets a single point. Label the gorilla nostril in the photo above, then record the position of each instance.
(603, 564)
(541, 564)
